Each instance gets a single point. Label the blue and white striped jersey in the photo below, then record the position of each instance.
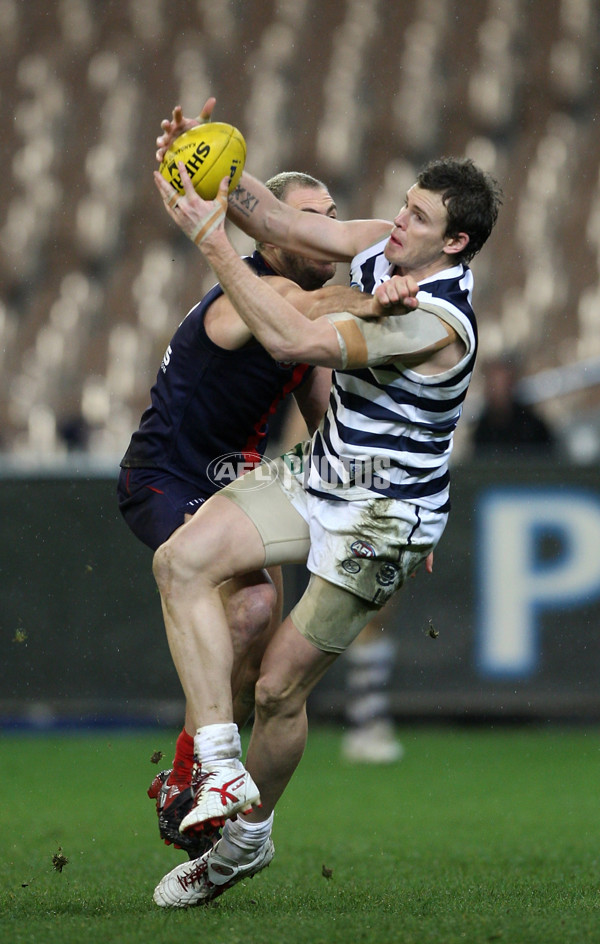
(388, 430)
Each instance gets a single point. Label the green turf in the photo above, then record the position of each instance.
(476, 836)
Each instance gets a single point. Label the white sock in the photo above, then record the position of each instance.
(241, 840)
(215, 742)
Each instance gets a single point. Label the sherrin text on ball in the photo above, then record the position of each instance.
(209, 152)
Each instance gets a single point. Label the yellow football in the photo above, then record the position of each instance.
(210, 152)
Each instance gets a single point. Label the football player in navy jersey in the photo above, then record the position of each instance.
(211, 404)
(364, 503)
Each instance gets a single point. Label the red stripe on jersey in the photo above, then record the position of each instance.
(250, 451)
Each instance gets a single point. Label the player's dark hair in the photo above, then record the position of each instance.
(471, 196)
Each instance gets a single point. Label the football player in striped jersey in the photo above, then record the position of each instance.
(365, 502)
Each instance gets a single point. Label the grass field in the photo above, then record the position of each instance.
(476, 836)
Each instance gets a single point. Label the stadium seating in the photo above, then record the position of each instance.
(93, 276)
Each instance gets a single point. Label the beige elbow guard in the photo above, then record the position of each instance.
(366, 342)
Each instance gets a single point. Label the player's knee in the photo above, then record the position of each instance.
(274, 698)
(170, 566)
(162, 568)
(268, 699)
(251, 610)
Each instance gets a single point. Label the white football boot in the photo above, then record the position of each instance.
(224, 789)
(198, 882)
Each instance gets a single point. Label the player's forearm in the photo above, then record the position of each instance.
(255, 210)
(332, 298)
(249, 206)
(276, 324)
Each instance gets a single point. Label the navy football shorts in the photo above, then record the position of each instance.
(154, 503)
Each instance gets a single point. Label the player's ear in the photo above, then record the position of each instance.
(455, 244)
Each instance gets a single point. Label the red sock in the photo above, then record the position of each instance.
(183, 761)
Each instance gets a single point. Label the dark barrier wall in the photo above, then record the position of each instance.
(506, 627)
(81, 621)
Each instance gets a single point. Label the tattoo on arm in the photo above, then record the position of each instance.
(243, 201)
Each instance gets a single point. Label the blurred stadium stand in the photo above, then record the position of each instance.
(93, 275)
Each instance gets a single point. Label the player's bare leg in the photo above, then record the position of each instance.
(291, 668)
(253, 605)
(190, 568)
(277, 744)
(253, 609)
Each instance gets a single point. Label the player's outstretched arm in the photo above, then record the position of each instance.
(278, 324)
(254, 209)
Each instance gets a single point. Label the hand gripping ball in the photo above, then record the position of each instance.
(210, 152)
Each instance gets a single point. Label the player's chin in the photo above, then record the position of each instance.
(315, 275)
(393, 251)
(327, 270)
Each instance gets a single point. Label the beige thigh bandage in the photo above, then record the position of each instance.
(283, 530)
(329, 616)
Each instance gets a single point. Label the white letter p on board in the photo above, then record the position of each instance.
(515, 583)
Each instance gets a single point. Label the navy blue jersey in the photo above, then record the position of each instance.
(209, 402)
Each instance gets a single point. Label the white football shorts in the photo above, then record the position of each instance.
(367, 547)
